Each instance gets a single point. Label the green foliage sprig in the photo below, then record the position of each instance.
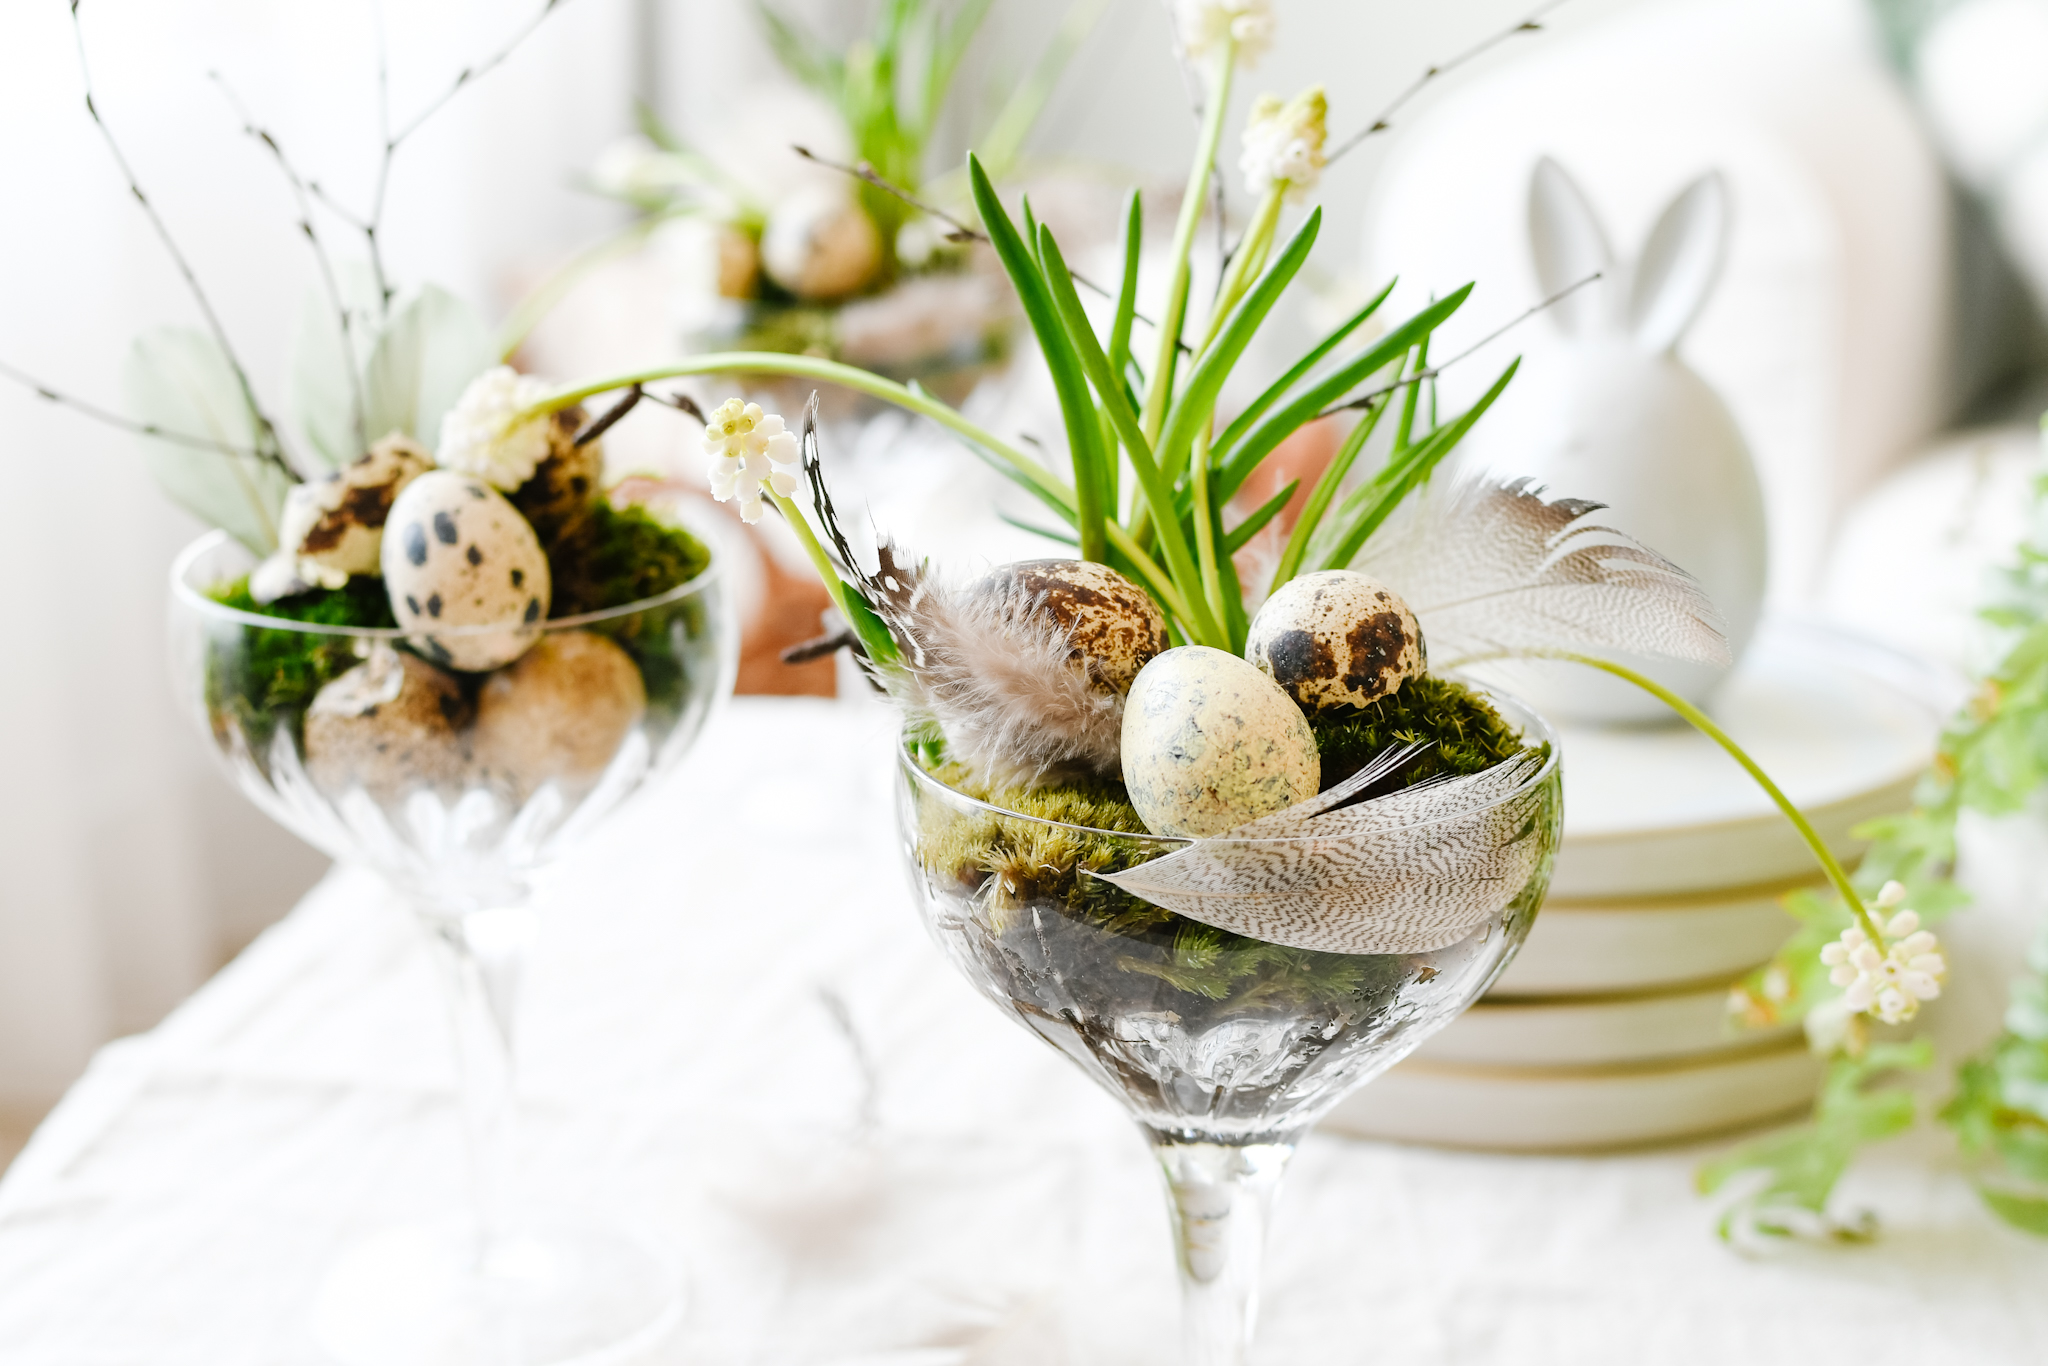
(1991, 758)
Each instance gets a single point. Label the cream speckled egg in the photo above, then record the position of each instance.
(1113, 629)
(558, 715)
(391, 724)
(1336, 639)
(1209, 743)
(457, 554)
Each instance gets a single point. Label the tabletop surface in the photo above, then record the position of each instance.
(682, 1071)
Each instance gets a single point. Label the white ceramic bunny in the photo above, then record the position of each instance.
(1616, 417)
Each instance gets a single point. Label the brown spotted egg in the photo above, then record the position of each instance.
(1112, 628)
(1209, 743)
(458, 557)
(1336, 639)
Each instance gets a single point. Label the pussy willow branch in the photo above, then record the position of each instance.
(1432, 371)
(126, 424)
(269, 446)
(1381, 124)
(329, 281)
(961, 232)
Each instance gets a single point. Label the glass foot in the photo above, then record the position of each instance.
(555, 1295)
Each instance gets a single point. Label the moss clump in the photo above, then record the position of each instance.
(1196, 965)
(620, 555)
(1469, 734)
(259, 676)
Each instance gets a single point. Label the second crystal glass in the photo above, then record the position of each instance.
(1225, 1049)
(456, 789)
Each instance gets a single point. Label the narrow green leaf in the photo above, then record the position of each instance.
(1084, 436)
(1325, 491)
(1234, 540)
(1197, 403)
(1242, 423)
(1050, 533)
(1381, 499)
(1127, 292)
(1237, 467)
(1152, 480)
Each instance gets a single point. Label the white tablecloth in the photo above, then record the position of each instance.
(682, 1071)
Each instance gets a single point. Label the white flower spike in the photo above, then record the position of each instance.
(1204, 25)
(1887, 980)
(1283, 143)
(477, 435)
(750, 451)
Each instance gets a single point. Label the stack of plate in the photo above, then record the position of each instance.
(1610, 1027)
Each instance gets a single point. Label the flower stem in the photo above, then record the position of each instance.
(820, 561)
(1249, 261)
(1704, 724)
(1160, 391)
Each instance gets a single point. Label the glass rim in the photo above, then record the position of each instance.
(183, 590)
(1531, 722)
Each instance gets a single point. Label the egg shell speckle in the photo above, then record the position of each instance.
(1209, 743)
(1113, 629)
(458, 555)
(1336, 639)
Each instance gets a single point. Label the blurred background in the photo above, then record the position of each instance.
(1875, 311)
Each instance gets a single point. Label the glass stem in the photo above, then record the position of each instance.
(483, 955)
(1220, 1196)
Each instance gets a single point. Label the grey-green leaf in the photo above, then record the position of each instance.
(433, 346)
(181, 380)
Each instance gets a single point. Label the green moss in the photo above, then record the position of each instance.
(1469, 734)
(261, 676)
(1021, 864)
(616, 556)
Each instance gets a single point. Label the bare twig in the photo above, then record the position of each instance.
(609, 418)
(1431, 372)
(328, 279)
(1381, 124)
(269, 447)
(126, 424)
(961, 232)
(369, 224)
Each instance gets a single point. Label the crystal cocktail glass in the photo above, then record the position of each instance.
(1225, 1048)
(456, 789)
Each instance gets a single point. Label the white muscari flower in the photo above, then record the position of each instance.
(1283, 143)
(1891, 979)
(750, 451)
(1204, 25)
(478, 435)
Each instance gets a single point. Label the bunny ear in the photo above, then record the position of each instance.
(1566, 241)
(1680, 264)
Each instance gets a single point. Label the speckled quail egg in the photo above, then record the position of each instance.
(458, 556)
(565, 484)
(820, 245)
(1336, 639)
(1113, 629)
(558, 715)
(1209, 743)
(334, 527)
(391, 724)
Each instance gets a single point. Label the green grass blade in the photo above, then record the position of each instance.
(1323, 494)
(1234, 540)
(1377, 500)
(1242, 423)
(1197, 403)
(1084, 435)
(1153, 482)
(1237, 467)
